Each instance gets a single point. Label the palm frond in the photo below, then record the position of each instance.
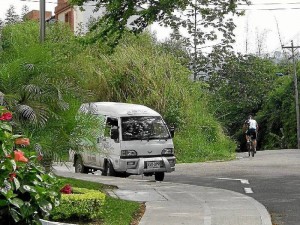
(38, 114)
(28, 67)
(26, 112)
(32, 89)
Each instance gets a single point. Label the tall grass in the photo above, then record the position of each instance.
(140, 72)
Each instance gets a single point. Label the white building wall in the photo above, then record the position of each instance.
(82, 18)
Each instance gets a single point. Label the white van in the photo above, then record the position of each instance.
(136, 140)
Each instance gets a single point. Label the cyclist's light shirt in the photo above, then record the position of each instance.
(252, 124)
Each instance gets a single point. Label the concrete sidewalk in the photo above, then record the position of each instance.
(174, 204)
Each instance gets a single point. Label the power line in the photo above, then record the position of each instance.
(274, 3)
(271, 9)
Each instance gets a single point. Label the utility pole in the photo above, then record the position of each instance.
(42, 20)
(292, 47)
(195, 42)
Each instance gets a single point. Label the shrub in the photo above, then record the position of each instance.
(83, 204)
(27, 193)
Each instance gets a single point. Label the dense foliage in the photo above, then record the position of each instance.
(142, 13)
(240, 87)
(52, 79)
(250, 85)
(42, 88)
(278, 116)
(27, 193)
(140, 71)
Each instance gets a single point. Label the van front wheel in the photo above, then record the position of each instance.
(159, 176)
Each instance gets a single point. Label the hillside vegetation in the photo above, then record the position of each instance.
(53, 78)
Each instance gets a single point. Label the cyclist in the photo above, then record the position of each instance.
(250, 128)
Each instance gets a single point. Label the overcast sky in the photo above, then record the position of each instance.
(261, 19)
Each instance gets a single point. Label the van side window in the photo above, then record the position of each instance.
(110, 122)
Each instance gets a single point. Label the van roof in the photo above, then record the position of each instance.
(118, 109)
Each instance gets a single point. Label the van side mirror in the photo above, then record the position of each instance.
(114, 133)
(172, 131)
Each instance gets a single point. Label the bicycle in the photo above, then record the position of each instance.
(250, 147)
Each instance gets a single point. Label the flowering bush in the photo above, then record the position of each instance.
(27, 193)
(6, 116)
(67, 189)
(86, 205)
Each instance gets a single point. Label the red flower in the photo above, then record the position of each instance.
(67, 189)
(19, 156)
(6, 116)
(39, 157)
(12, 176)
(22, 141)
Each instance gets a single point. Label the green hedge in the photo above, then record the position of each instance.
(83, 204)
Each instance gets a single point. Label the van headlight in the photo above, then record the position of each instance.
(167, 151)
(128, 153)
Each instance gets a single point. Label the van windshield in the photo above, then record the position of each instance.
(144, 128)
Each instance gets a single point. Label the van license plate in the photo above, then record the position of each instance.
(152, 165)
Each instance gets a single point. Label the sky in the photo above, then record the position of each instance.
(259, 23)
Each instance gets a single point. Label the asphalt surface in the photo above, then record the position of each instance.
(174, 203)
(273, 176)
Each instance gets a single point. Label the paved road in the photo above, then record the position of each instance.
(271, 177)
(177, 204)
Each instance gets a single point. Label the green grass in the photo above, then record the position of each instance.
(114, 211)
(119, 212)
(84, 184)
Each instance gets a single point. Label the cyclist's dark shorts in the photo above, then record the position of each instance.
(252, 132)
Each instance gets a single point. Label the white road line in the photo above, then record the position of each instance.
(248, 191)
(243, 181)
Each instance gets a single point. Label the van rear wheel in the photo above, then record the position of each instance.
(110, 171)
(79, 167)
(159, 176)
(104, 171)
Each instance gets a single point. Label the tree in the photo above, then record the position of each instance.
(1, 24)
(177, 48)
(278, 123)
(240, 87)
(261, 38)
(205, 24)
(114, 22)
(11, 16)
(25, 10)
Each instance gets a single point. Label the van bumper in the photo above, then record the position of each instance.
(148, 165)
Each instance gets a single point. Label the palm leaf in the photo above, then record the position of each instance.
(37, 115)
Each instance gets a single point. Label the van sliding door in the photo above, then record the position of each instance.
(109, 148)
